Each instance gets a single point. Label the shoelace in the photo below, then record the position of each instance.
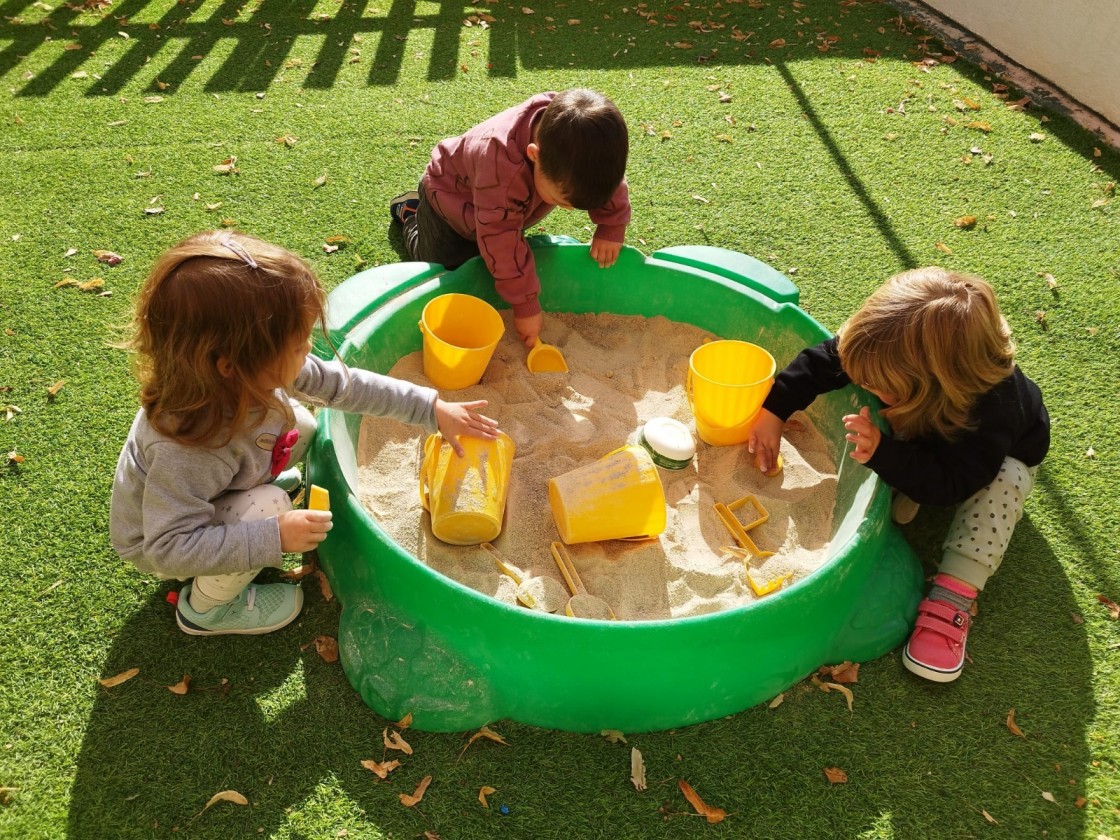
(251, 598)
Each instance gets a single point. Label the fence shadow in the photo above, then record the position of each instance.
(176, 41)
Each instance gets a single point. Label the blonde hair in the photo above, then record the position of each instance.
(935, 341)
(218, 295)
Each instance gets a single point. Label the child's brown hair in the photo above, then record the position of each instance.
(218, 295)
(583, 145)
(935, 341)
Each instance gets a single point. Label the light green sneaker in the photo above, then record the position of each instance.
(260, 608)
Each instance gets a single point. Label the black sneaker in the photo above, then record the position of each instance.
(404, 205)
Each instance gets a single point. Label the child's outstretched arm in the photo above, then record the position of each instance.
(454, 419)
(765, 440)
(610, 226)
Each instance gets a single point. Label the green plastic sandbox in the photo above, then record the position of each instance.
(414, 641)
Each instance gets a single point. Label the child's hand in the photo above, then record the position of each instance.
(529, 328)
(456, 419)
(765, 440)
(303, 530)
(863, 433)
(605, 252)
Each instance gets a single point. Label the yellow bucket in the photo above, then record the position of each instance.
(617, 497)
(466, 496)
(727, 383)
(460, 334)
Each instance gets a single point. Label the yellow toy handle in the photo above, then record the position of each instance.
(427, 466)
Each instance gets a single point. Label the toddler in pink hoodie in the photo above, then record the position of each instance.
(483, 189)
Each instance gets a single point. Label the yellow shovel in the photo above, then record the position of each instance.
(582, 604)
(546, 358)
(543, 593)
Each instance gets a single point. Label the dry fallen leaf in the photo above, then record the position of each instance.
(989, 818)
(405, 721)
(712, 814)
(777, 701)
(835, 775)
(965, 222)
(53, 390)
(1012, 726)
(1035, 137)
(322, 179)
(324, 585)
(381, 769)
(226, 796)
(394, 741)
(123, 676)
(182, 686)
(613, 735)
(325, 646)
(831, 686)
(1112, 606)
(108, 257)
(1049, 797)
(418, 794)
(637, 769)
(943, 248)
(483, 792)
(845, 672)
(484, 732)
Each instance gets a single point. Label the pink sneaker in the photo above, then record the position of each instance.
(937, 645)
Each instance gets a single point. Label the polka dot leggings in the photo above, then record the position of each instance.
(982, 528)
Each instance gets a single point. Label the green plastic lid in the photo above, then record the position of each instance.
(669, 443)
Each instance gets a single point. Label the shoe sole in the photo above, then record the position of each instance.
(192, 629)
(933, 674)
(403, 198)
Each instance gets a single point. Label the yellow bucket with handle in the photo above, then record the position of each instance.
(466, 496)
(617, 497)
(727, 383)
(460, 334)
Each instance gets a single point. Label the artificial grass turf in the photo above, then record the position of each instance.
(812, 166)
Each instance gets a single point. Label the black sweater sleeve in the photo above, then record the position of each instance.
(1009, 420)
(815, 371)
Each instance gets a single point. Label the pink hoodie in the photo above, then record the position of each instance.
(481, 183)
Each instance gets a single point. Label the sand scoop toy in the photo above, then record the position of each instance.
(582, 604)
(536, 593)
(546, 358)
(749, 550)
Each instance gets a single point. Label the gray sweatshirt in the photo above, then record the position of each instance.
(164, 491)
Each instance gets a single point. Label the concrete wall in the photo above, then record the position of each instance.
(1075, 44)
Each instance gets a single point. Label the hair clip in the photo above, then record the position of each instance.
(282, 451)
(241, 252)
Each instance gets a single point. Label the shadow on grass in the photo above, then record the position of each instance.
(178, 40)
(922, 759)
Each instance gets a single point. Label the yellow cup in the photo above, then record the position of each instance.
(617, 497)
(466, 496)
(727, 383)
(460, 334)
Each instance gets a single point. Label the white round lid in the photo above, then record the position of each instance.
(670, 438)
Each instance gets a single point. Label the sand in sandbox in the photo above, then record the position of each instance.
(624, 370)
